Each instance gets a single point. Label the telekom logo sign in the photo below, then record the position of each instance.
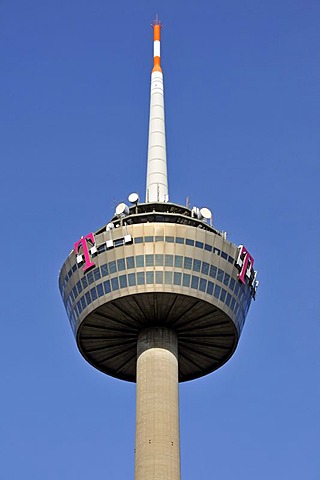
(83, 243)
(245, 263)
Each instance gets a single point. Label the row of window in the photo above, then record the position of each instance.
(159, 260)
(175, 278)
(157, 238)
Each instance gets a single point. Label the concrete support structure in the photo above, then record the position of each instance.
(157, 452)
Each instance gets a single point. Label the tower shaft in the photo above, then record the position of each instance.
(157, 453)
(157, 178)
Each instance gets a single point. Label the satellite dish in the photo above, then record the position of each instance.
(110, 226)
(122, 209)
(133, 198)
(205, 213)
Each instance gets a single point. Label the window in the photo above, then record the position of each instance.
(83, 303)
(177, 278)
(148, 238)
(131, 279)
(230, 259)
(213, 271)
(210, 287)
(205, 268)
(170, 239)
(96, 273)
(228, 300)
(169, 260)
(188, 263)
(74, 268)
(194, 282)
(123, 281)
(159, 277)
(220, 275)
(226, 279)
(84, 282)
(159, 238)
(150, 277)
(232, 284)
(93, 292)
(203, 284)
(149, 260)
(159, 260)
(139, 261)
(217, 291)
(233, 301)
(102, 248)
(179, 240)
(107, 286)
(121, 264)
(168, 278)
(140, 278)
(79, 287)
(130, 262)
(104, 270)
(88, 298)
(90, 277)
(196, 265)
(223, 295)
(112, 267)
(208, 247)
(199, 244)
(178, 261)
(138, 240)
(224, 255)
(189, 242)
(100, 290)
(186, 280)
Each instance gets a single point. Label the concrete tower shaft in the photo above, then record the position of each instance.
(157, 178)
(157, 452)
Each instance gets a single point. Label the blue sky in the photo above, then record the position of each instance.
(242, 112)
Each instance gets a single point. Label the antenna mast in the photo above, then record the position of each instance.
(157, 177)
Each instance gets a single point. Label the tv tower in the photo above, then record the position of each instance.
(157, 296)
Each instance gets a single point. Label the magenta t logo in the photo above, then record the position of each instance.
(245, 261)
(83, 242)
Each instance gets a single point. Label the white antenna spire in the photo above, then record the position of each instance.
(157, 177)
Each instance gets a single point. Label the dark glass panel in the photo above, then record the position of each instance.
(112, 267)
(139, 261)
(131, 279)
(121, 265)
(107, 286)
(186, 280)
(150, 277)
(178, 261)
(177, 278)
(115, 283)
(149, 260)
(196, 265)
(104, 270)
(159, 259)
(130, 262)
(188, 263)
(203, 284)
(140, 278)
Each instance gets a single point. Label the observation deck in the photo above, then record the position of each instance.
(158, 265)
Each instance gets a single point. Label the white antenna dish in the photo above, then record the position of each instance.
(110, 226)
(133, 198)
(205, 213)
(122, 210)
